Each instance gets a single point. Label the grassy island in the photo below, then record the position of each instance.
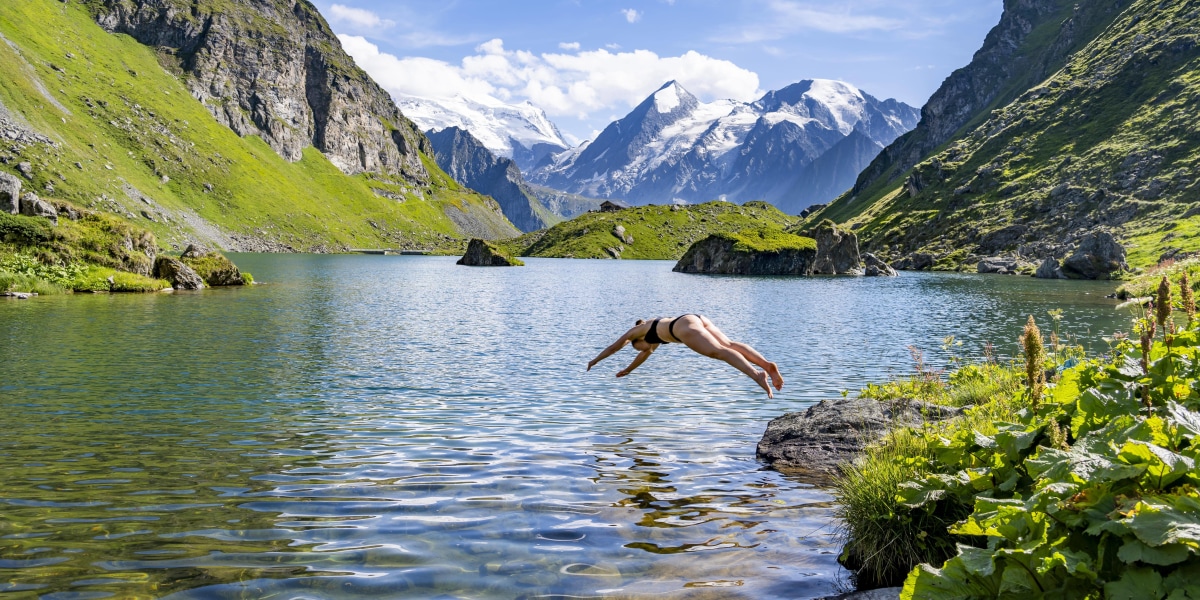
(1083, 485)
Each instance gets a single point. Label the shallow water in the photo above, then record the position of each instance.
(371, 426)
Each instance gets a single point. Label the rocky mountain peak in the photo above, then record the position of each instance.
(274, 68)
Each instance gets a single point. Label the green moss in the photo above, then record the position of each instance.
(769, 240)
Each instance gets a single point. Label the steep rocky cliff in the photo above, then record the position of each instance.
(1106, 144)
(273, 68)
(1033, 39)
(465, 159)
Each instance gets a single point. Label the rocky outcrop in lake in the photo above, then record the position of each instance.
(818, 441)
(837, 250)
(481, 253)
(180, 276)
(274, 68)
(213, 267)
(729, 254)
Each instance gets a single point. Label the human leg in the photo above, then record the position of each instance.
(705, 344)
(747, 351)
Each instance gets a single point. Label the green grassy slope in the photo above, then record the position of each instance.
(130, 139)
(1110, 141)
(659, 232)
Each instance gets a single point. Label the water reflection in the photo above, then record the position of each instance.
(401, 427)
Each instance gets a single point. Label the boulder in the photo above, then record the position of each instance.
(1050, 269)
(26, 169)
(998, 264)
(32, 206)
(873, 266)
(917, 261)
(195, 251)
(619, 233)
(481, 253)
(728, 254)
(1098, 256)
(812, 209)
(816, 442)
(837, 251)
(214, 268)
(181, 276)
(10, 194)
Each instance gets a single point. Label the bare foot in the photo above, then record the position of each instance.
(761, 378)
(776, 378)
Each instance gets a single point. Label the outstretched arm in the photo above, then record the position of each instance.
(637, 362)
(612, 349)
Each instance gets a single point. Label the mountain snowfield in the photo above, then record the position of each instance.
(674, 148)
(521, 132)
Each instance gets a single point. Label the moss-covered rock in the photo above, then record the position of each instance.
(756, 252)
(481, 253)
(212, 267)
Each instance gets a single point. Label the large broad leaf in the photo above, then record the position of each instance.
(1013, 440)
(1187, 421)
(1166, 520)
(1079, 564)
(1055, 465)
(968, 576)
(1136, 584)
(1136, 551)
(1184, 582)
(1163, 467)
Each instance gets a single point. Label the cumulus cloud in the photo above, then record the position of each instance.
(576, 84)
(569, 45)
(357, 17)
(631, 15)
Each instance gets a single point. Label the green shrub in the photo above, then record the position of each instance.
(13, 282)
(132, 282)
(24, 231)
(248, 278)
(94, 279)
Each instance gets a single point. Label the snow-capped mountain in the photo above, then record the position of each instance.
(673, 148)
(521, 132)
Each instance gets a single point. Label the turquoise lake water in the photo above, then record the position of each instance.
(402, 427)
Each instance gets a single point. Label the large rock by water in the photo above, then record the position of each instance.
(213, 267)
(817, 441)
(723, 254)
(1050, 269)
(998, 264)
(837, 251)
(873, 266)
(1098, 256)
(10, 194)
(481, 253)
(181, 276)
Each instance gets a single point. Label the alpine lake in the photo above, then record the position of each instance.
(403, 427)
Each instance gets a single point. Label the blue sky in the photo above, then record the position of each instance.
(587, 62)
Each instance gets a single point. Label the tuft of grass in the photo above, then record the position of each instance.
(770, 240)
(14, 282)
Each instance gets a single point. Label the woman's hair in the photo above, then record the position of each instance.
(640, 321)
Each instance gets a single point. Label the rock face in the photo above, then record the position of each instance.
(718, 255)
(273, 68)
(480, 253)
(831, 433)
(10, 194)
(181, 276)
(1009, 63)
(465, 159)
(837, 251)
(620, 234)
(1098, 256)
(32, 206)
(873, 266)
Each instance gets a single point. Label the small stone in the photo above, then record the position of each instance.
(32, 206)
(79, 165)
(26, 169)
(164, 180)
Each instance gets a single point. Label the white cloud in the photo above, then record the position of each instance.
(569, 45)
(358, 17)
(576, 84)
(785, 18)
(631, 15)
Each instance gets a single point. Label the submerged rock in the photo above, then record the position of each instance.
(817, 441)
(181, 276)
(481, 253)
